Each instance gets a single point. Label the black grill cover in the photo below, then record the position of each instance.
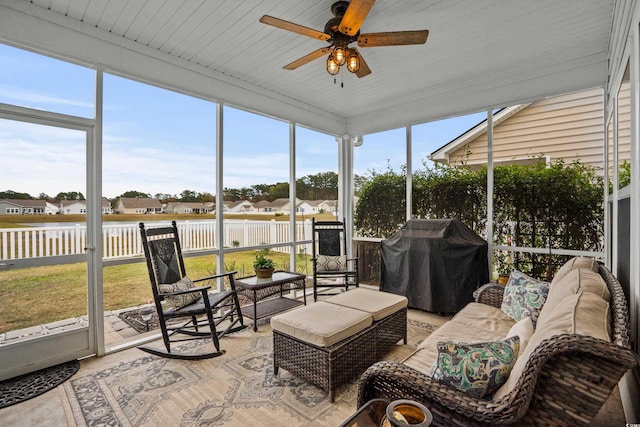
(435, 263)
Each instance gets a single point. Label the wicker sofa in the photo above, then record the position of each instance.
(558, 379)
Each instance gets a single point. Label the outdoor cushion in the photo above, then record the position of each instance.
(423, 358)
(573, 263)
(524, 330)
(484, 317)
(179, 301)
(477, 369)
(321, 323)
(331, 263)
(524, 296)
(378, 304)
(583, 313)
(575, 281)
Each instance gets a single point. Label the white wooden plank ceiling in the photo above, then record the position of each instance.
(480, 53)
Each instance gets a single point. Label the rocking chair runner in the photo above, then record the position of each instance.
(176, 296)
(331, 267)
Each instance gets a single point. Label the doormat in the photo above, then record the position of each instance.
(133, 319)
(27, 386)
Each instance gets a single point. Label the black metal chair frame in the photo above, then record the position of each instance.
(329, 238)
(165, 264)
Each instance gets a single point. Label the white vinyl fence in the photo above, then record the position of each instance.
(122, 240)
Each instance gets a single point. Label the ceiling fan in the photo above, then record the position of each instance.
(342, 30)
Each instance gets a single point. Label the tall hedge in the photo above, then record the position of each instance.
(557, 206)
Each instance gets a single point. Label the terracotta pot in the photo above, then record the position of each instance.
(264, 273)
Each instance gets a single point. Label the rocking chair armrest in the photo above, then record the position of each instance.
(186, 291)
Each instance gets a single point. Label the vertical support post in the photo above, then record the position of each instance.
(615, 195)
(94, 227)
(220, 192)
(346, 143)
(409, 184)
(292, 195)
(490, 181)
(634, 274)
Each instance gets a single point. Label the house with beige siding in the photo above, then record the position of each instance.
(131, 205)
(189, 207)
(568, 127)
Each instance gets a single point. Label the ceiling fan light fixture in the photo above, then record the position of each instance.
(340, 53)
(332, 67)
(353, 61)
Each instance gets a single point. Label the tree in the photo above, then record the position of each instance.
(43, 196)
(10, 194)
(207, 197)
(70, 195)
(260, 191)
(381, 206)
(278, 191)
(134, 195)
(358, 183)
(188, 196)
(165, 197)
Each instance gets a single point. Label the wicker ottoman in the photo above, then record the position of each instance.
(389, 313)
(325, 344)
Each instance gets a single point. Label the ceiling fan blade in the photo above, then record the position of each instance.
(393, 38)
(354, 16)
(364, 68)
(307, 58)
(290, 26)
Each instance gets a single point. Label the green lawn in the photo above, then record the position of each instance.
(40, 295)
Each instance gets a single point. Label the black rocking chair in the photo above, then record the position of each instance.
(176, 296)
(331, 267)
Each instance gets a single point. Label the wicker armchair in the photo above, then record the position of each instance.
(566, 380)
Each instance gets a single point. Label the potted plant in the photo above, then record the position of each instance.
(262, 265)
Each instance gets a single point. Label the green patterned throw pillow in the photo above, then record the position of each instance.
(477, 369)
(179, 301)
(331, 263)
(524, 296)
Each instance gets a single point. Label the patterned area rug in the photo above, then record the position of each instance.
(236, 389)
(133, 319)
(25, 387)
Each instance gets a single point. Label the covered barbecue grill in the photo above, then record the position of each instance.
(435, 263)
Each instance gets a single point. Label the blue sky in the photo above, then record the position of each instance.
(158, 141)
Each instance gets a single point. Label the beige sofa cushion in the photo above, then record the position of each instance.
(575, 281)
(474, 323)
(378, 304)
(321, 323)
(584, 313)
(573, 263)
(484, 317)
(524, 330)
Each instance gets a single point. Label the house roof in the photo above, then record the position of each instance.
(239, 202)
(26, 203)
(520, 50)
(262, 204)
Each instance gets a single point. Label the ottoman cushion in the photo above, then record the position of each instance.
(321, 323)
(378, 304)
